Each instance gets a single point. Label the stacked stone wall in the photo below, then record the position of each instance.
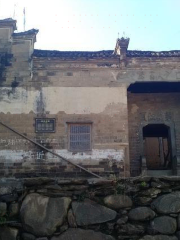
(62, 209)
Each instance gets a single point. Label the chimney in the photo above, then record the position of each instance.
(8, 23)
(121, 47)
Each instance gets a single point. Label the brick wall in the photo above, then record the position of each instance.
(151, 108)
(19, 157)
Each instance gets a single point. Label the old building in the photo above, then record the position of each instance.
(111, 112)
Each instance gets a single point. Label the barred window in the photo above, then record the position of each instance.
(45, 125)
(79, 137)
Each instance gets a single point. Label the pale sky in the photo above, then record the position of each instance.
(93, 25)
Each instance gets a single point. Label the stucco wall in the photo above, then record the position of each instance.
(105, 107)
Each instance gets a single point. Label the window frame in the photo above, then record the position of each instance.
(69, 134)
(45, 131)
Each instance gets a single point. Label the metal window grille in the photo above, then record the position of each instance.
(45, 125)
(80, 137)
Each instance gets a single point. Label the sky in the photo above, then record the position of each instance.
(94, 25)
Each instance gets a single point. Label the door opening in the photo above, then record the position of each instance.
(157, 146)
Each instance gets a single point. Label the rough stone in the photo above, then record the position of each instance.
(7, 185)
(158, 237)
(87, 213)
(13, 209)
(141, 179)
(178, 221)
(71, 219)
(78, 234)
(122, 220)
(159, 184)
(141, 214)
(178, 235)
(118, 201)
(170, 178)
(28, 236)
(151, 192)
(43, 238)
(164, 225)
(7, 233)
(99, 181)
(9, 197)
(169, 203)
(41, 215)
(3, 208)
(144, 200)
(131, 229)
(37, 181)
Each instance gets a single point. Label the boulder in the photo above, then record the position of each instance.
(8, 233)
(118, 201)
(3, 208)
(163, 225)
(158, 237)
(87, 213)
(41, 215)
(80, 234)
(168, 203)
(141, 214)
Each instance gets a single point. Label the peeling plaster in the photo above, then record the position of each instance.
(94, 157)
(134, 108)
(71, 100)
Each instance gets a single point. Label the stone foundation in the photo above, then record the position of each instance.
(58, 209)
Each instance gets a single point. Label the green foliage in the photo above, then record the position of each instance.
(143, 184)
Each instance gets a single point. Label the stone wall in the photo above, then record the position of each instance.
(62, 209)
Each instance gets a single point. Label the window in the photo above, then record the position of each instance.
(45, 125)
(79, 137)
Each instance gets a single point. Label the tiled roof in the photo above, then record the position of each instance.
(74, 54)
(29, 32)
(102, 54)
(173, 53)
(7, 20)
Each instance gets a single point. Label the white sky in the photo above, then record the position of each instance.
(94, 24)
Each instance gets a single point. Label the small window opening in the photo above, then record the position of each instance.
(80, 137)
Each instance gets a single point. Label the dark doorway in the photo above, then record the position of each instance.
(157, 146)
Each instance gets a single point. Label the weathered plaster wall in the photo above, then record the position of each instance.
(71, 100)
(70, 88)
(105, 107)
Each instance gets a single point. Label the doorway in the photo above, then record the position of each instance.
(157, 146)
